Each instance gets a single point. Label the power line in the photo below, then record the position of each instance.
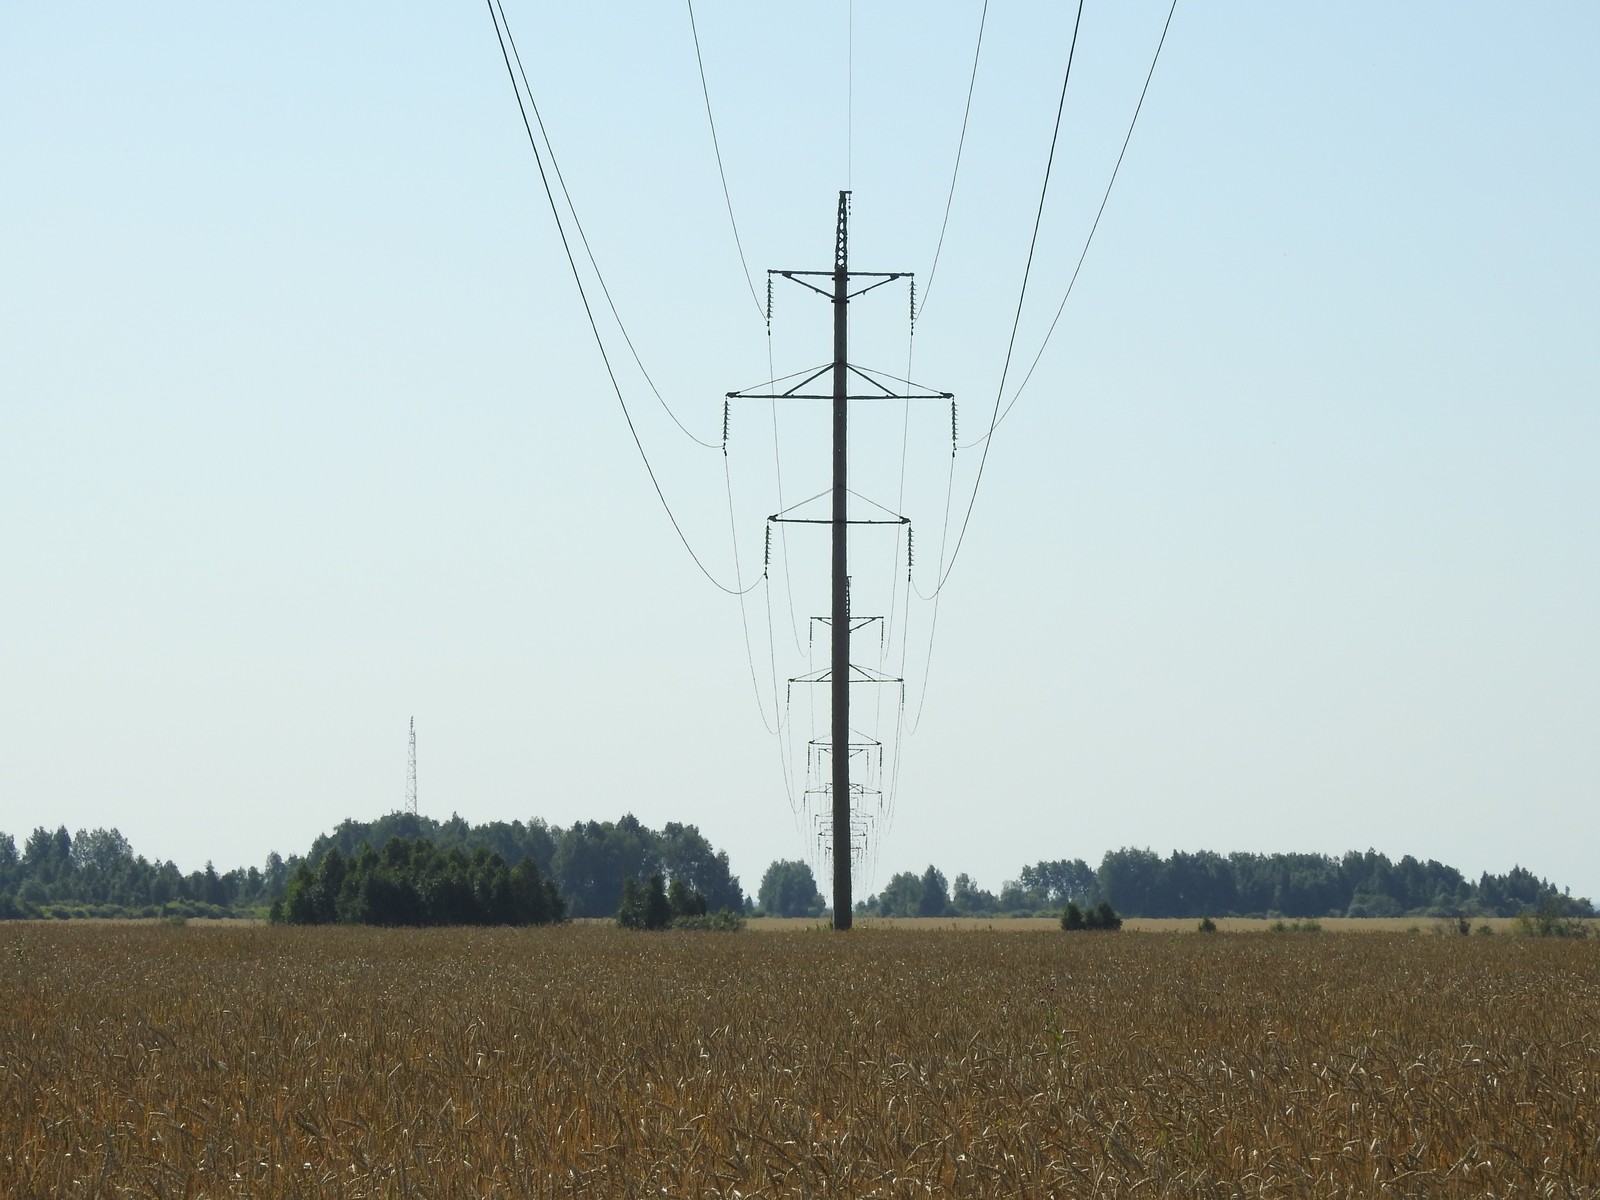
(1061, 308)
(1021, 296)
(744, 618)
(503, 37)
(583, 237)
(956, 170)
(849, 92)
(776, 727)
(716, 147)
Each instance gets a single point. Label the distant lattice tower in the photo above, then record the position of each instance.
(411, 772)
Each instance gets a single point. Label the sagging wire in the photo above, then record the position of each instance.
(503, 36)
(1022, 294)
(744, 616)
(1084, 253)
(578, 225)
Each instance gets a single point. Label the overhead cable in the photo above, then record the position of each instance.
(1022, 294)
(582, 236)
(727, 197)
(1061, 308)
(961, 142)
(503, 36)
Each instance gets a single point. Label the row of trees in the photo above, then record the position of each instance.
(1357, 884)
(589, 861)
(410, 882)
(1141, 883)
(97, 869)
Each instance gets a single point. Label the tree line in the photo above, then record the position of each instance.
(1141, 883)
(586, 866)
(410, 882)
(96, 873)
(588, 861)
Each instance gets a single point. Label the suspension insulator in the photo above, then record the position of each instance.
(726, 409)
(952, 429)
(769, 304)
(913, 305)
(766, 553)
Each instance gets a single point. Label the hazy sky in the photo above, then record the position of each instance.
(1289, 544)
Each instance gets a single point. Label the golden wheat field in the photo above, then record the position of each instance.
(588, 1061)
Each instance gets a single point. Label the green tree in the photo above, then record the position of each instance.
(1102, 916)
(935, 898)
(528, 894)
(684, 853)
(788, 889)
(593, 858)
(102, 850)
(1135, 880)
(901, 896)
(644, 905)
(684, 901)
(968, 899)
(1060, 880)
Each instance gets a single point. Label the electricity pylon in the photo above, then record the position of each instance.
(842, 373)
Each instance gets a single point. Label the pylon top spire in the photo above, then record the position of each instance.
(841, 252)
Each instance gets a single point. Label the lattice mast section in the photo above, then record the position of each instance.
(411, 772)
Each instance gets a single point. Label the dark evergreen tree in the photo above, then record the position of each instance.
(684, 901)
(657, 908)
(935, 898)
(1103, 917)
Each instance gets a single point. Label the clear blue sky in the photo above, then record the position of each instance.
(1289, 544)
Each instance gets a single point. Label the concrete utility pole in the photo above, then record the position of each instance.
(843, 902)
(841, 674)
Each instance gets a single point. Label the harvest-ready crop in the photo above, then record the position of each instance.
(592, 1061)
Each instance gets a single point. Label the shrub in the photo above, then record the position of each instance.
(724, 920)
(1547, 921)
(684, 901)
(1207, 925)
(645, 905)
(1309, 925)
(1101, 917)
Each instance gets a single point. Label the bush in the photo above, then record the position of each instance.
(722, 921)
(645, 905)
(684, 901)
(1207, 925)
(1101, 917)
(1547, 921)
(1310, 925)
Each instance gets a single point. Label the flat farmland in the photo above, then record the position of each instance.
(146, 1060)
